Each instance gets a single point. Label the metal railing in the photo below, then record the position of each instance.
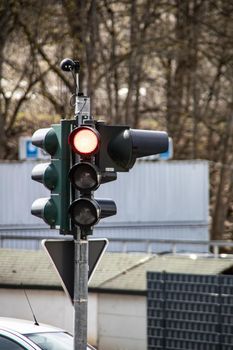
(211, 246)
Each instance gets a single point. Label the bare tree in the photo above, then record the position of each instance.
(147, 63)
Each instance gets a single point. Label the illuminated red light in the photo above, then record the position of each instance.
(84, 140)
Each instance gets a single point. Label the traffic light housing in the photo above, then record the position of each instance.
(82, 158)
(54, 175)
(121, 146)
(86, 177)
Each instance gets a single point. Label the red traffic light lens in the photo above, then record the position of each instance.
(84, 140)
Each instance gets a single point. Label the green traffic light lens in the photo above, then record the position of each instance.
(84, 212)
(84, 176)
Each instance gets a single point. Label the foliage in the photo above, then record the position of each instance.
(166, 64)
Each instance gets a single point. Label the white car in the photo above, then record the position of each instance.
(18, 334)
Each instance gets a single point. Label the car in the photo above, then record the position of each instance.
(17, 334)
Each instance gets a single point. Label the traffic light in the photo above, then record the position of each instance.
(121, 146)
(82, 158)
(54, 175)
(86, 177)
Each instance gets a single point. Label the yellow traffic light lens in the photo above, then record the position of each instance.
(84, 176)
(84, 141)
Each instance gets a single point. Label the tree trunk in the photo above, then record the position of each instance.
(221, 204)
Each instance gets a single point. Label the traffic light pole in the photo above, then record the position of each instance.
(80, 291)
(80, 262)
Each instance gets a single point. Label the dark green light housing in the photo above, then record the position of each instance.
(46, 209)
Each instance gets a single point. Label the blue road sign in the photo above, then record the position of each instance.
(169, 153)
(31, 150)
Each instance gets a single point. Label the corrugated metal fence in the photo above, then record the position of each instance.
(155, 200)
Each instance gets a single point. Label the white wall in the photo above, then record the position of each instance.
(92, 328)
(122, 322)
(51, 307)
(115, 322)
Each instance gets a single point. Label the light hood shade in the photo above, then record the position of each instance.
(85, 212)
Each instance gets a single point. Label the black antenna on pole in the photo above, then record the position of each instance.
(34, 316)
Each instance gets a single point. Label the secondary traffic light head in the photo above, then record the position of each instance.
(121, 146)
(54, 175)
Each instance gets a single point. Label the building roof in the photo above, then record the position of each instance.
(117, 272)
(134, 278)
(26, 268)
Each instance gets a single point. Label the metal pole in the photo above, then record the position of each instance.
(80, 262)
(80, 292)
